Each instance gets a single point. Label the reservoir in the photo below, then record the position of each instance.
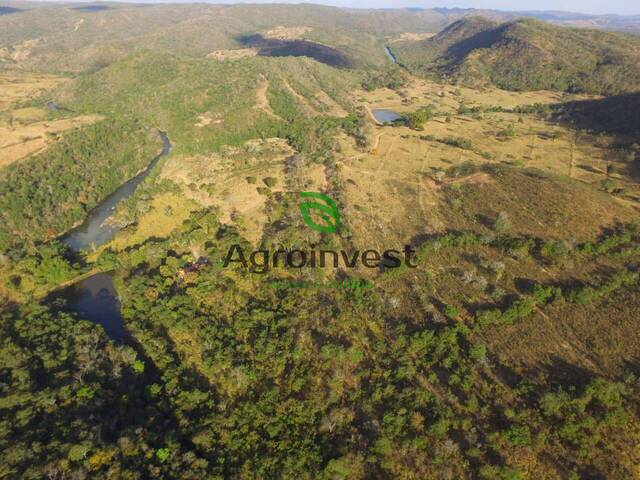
(384, 116)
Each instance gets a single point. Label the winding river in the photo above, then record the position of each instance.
(95, 230)
(95, 298)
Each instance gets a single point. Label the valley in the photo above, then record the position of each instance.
(140, 145)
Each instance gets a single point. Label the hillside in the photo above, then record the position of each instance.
(528, 54)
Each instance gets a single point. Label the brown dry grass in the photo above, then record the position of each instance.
(220, 181)
(18, 87)
(168, 211)
(25, 131)
(395, 193)
(18, 142)
(286, 33)
(233, 54)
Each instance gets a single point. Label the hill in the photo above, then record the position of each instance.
(528, 54)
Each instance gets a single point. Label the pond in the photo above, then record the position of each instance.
(384, 116)
(95, 299)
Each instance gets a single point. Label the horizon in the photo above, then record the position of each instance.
(596, 8)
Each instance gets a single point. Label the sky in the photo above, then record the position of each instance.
(621, 7)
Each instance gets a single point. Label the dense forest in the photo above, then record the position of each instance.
(225, 378)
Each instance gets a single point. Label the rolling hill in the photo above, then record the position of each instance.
(528, 54)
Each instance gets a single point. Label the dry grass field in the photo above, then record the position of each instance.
(235, 181)
(168, 211)
(397, 189)
(28, 130)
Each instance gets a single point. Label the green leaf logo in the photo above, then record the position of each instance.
(327, 211)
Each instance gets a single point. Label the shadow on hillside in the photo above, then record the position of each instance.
(616, 115)
(485, 39)
(92, 8)
(268, 47)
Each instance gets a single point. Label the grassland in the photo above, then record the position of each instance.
(411, 169)
(26, 130)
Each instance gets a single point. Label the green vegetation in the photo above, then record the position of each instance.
(48, 193)
(459, 142)
(416, 120)
(527, 54)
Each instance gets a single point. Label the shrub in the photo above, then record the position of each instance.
(451, 311)
(458, 142)
(502, 223)
(416, 120)
(270, 182)
(506, 133)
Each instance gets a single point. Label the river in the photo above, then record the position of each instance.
(95, 230)
(96, 298)
(390, 54)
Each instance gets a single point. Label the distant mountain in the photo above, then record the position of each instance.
(528, 54)
(8, 10)
(622, 23)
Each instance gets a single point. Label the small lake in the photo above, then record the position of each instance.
(95, 230)
(385, 116)
(96, 299)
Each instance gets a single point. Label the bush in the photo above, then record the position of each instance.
(506, 133)
(502, 224)
(416, 120)
(270, 182)
(457, 142)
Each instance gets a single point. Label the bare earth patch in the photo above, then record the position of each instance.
(333, 108)
(21, 141)
(233, 54)
(286, 33)
(262, 101)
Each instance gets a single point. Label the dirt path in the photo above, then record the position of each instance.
(262, 101)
